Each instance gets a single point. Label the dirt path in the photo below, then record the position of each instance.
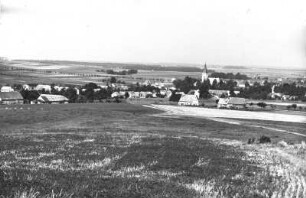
(224, 113)
(228, 116)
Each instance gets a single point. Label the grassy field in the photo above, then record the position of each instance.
(125, 150)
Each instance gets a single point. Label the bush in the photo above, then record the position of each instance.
(262, 104)
(251, 140)
(264, 139)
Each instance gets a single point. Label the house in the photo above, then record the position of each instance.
(96, 90)
(285, 97)
(47, 88)
(11, 98)
(222, 103)
(51, 99)
(211, 80)
(236, 102)
(275, 95)
(188, 100)
(147, 83)
(120, 94)
(133, 94)
(27, 87)
(194, 92)
(146, 94)
(232, 102)
(7, 89)
(240, 84)
(219, 93)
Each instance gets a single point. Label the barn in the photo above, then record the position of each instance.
(189, 100)
(51, 99)
(232, 102)
(11, 98)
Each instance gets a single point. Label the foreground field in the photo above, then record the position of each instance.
(124, 150)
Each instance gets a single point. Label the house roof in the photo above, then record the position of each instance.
(188, 98)
(52, 98)
(223, 101)
(215, 91)
(10, 96)
(236, 101)
(41, 87)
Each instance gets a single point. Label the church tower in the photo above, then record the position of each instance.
(204, 74)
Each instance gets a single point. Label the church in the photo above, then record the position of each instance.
(205, 76)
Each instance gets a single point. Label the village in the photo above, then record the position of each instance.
(211, 89)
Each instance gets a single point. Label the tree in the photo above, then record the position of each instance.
(262, 104)
(29, 95)
(214, 84)
(71, 94)
(203, 89)
(113, 80)
(185, 85)
(91, 86)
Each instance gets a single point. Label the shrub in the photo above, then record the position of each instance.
(264, 139)
(251, 140)
(282, 143)
(262, 104)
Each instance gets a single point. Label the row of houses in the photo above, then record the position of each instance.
(9, 98)
(142, 94)
(229, 103)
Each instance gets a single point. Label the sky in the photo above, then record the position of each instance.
(220, 32)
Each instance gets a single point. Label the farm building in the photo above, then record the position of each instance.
(219, 93)
(188, 100)
(27, 87)
(51, 99)
(11, 98)
(133, 94)
(120, 94)
(7, 89)
(232, 102)
(43, 87)
(211, 80)
(146, 94)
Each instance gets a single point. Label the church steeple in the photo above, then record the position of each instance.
(204, 73)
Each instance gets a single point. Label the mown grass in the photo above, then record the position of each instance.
(121, 150)
(124, 166)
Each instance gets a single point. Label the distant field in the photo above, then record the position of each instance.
(73, 69)
(124, 150)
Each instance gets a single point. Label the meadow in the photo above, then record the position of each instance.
(125, 150)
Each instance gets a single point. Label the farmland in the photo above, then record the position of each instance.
(124, 150)
(78, 73)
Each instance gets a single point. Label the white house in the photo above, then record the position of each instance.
(26, 87)
(51, 99)
(219, 93)
(232, 102)
(188, 100)
(7, 89)
(11, 98)
(211, 80)
(43, 87)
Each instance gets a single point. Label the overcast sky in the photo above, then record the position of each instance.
(226, 32)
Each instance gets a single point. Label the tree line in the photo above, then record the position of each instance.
(123, 72)
(237, 76)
